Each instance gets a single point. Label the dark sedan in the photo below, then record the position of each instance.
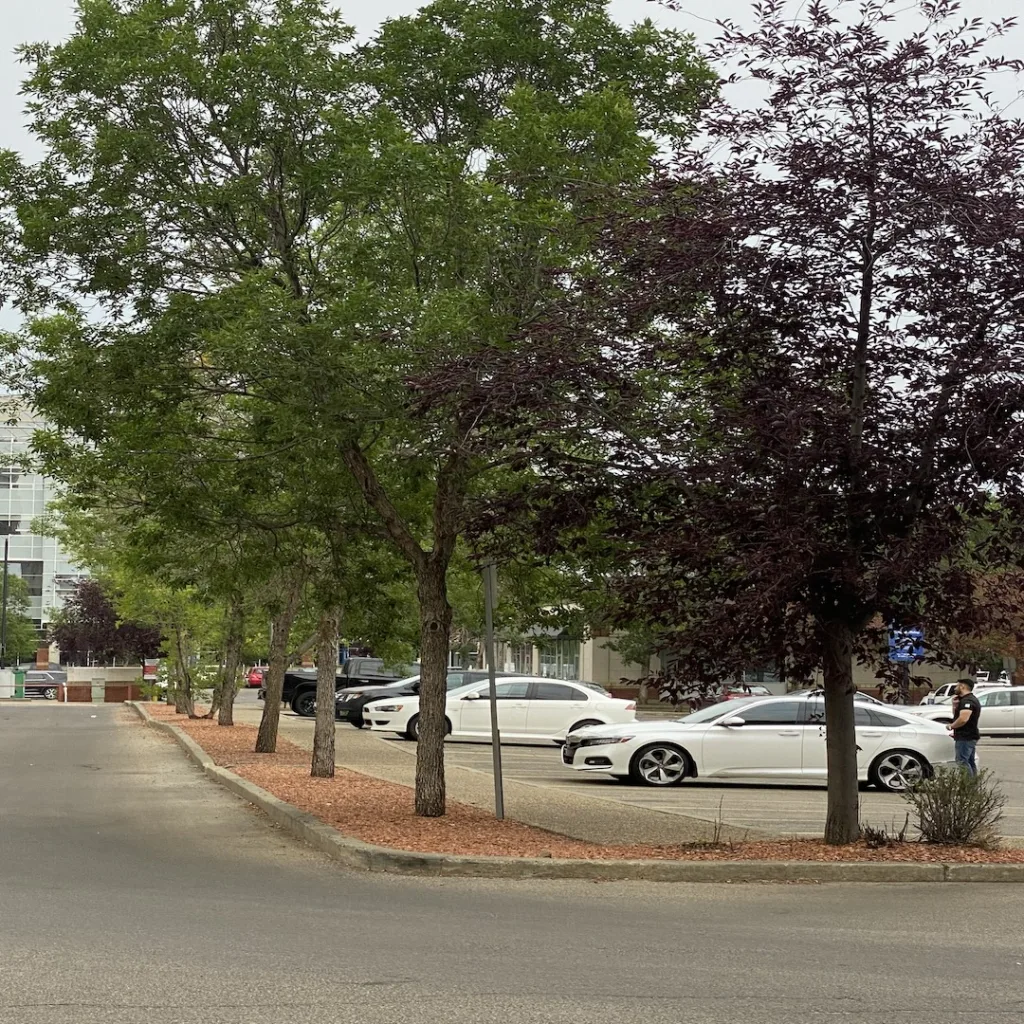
(349, 703)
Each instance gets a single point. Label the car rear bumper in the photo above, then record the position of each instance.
(353, 716)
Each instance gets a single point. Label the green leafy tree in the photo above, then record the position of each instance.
(22, 639)
(260, 214)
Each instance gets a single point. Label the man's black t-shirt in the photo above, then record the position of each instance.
(969, 730)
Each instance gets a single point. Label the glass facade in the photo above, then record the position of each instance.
(560, 659)
(520, 659)
(40, 561)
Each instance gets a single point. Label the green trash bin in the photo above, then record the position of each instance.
(19, 683)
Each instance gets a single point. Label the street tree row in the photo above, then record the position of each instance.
(510, 279)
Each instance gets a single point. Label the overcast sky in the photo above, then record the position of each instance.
(36, 20)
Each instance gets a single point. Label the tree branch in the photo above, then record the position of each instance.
(376, 497)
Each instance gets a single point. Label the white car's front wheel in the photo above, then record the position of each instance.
(896, 771)
(659, 764)
(412, 730)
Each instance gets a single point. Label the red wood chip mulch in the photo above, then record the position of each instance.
(381, 813)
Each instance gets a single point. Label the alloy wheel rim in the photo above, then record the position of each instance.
(662, 766)
(899, 771)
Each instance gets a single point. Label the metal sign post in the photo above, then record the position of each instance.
(490, 600)
(3, 614)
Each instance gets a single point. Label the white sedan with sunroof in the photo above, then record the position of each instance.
(756, 737)
(528, 709)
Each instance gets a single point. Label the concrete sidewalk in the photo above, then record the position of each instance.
(565, 810)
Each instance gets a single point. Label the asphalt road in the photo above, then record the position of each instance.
(134, 890)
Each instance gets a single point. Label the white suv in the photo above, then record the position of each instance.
(945, 693)
(1002, 711)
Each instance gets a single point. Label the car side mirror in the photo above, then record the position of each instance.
(472, 696)
(732, 723)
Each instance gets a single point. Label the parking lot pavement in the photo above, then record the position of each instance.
(789, 809)
(770, 806)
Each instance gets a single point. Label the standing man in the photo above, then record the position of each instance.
(965, 725)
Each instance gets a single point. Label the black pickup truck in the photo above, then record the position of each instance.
(300, 683)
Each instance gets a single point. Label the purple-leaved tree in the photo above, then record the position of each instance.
(789, 388)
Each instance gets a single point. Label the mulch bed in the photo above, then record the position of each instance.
(381, 813)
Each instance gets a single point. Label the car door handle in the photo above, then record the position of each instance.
(870, 732)
(790, 732)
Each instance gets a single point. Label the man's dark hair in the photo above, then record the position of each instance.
(969, 683)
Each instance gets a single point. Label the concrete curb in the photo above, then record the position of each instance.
(352, 853)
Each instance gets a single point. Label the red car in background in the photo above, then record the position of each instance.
(254, 677)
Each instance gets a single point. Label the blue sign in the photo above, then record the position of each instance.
(906, 645)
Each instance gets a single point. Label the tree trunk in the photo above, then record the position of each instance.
(326, 674)
(177, 692)
(215, 698)
(842, 824)
(233, 640)
(435, 632)
(266, 739)
(183, 703)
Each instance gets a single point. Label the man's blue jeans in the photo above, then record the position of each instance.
(965, 754)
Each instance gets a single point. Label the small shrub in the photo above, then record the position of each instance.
(878, 837)
(151, 691)
(955, 807)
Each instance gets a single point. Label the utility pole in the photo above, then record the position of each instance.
(490, 600)
(3, 614)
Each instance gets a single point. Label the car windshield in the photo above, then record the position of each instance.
(867, 698)
(709, 714)
(597, 687)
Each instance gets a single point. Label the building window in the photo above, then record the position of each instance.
(560, 659)
(8, 478)
(520, 657)
(32, 574)
(8, 527)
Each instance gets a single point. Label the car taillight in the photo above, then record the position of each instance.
(631, 707)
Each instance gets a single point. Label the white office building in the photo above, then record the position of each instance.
(40, 561)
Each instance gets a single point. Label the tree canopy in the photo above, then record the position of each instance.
(88, 626)
(797, 406)
(279, 235)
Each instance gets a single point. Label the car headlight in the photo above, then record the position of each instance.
(388, 707)
(601, 741)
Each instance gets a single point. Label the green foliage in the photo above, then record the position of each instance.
(22, 636)
(957, 808)
(260, 241)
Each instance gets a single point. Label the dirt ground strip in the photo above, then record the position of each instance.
(381, 813)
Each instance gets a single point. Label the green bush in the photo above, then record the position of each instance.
(955, 807)
(151, 691)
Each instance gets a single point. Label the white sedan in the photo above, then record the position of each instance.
(758, 737)
(528, 709)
